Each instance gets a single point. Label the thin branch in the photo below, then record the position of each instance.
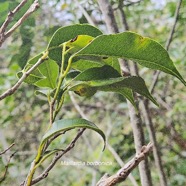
(123, 173)
(121, 163)
(88, 18)
(7, 165)
(20, 81)
(3, 35)
(57, 157)
(77, 106)
(3, 152)
(156, 150)
(11, 15)
(169, 40)
(108, 14)
(60, 154)
(123, 16)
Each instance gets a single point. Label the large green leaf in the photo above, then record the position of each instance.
(68, 33)
(108, 79)
(135, 83)
(145, 51)
(68, 124)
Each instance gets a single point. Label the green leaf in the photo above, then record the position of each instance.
(85, 62)
(67, 33)
(68, 124)
(108, 79)
(50, 70)
(143, 50)
(137, 84)
(98, 73)
(78, 43)
(83, 89)
(45, 75)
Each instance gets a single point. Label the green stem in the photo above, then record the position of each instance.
(31, 174)
(61, 73)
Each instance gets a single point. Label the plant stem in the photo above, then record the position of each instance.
(61, 77)
(30, 175)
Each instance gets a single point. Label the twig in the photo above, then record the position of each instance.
(123, 16)
(132, 3)
(123, 173)
(20, 81)
(108, 16)
(156, 150)
(57, 157)
(11, 15)
(3, 35)
(7, 165)
(3, 152)
(169, 40)
(60, 154)
(121, 163)
(88, 18)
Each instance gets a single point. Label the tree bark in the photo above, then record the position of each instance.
(135, 118)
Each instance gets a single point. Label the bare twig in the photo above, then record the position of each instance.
(20, 81)
(123, 173)
(123, 16)
(169, 40)
(108, 14)
(11, 15)
(4, 35)
(85, 13)
(152, 135)
(121, 163)
(3, 152)
(7, 165)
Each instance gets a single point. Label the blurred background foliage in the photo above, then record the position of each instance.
(24, 116)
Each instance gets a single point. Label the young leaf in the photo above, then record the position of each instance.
(78, 43)
(45, 75)
(68, 33)
(68, 124)
(145, 51)
(50, 70)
